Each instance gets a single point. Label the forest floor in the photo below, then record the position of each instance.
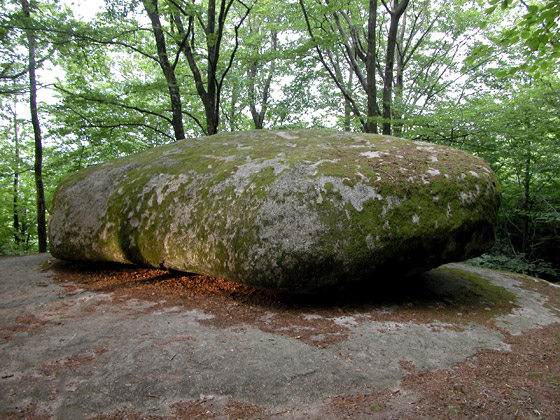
(107, 341)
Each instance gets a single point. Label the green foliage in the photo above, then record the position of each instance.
(477, 75)
(536, 31)
(17, 220)
(501, 258)
(516, 128)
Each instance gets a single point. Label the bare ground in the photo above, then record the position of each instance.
(118, 342)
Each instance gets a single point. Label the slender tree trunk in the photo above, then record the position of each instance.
(151, 7)
(334, 71)
(189, 52)
(210, 102)
(347, 109)
(526, 206)
(398, 113)
(41, 207)
(397, 110)
(259, 116)
(396, 14)
(372, 109)
(233, 110)
(17, 237)
(214, 31)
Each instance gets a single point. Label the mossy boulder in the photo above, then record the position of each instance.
(299, 211)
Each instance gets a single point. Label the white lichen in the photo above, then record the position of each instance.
(370, 154)
(392, 201)
(286, 136)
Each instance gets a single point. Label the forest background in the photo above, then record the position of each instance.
(478, 75)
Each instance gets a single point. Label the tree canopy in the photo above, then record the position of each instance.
(480, 75)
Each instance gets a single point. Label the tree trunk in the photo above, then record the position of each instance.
(210, 102)
(347, 109)
(397, 110)
(17, 236)
(372, 109)
(151, 7)
(526, 206)
(41, 207)
(214, 31)
(396, 14)
(233, 110)
(334, 72)
(259, 116)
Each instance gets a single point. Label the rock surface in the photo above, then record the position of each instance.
(94, 341)
(298, 211)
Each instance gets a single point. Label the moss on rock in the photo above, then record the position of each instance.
(292, 210)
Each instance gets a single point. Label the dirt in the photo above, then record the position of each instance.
(121, 342)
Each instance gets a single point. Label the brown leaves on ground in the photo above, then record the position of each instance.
(523, 383)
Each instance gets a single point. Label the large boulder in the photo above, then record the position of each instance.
(298, 211)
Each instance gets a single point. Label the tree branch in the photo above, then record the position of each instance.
(107, 102)
(231, 58)
(197, 121)
(349, 52)
(91, 124)
(338, 83)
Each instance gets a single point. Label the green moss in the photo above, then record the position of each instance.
(377, 407)
(493, 295)
(221, 254)
(473, 295)
(554, 380)
(261, 181)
